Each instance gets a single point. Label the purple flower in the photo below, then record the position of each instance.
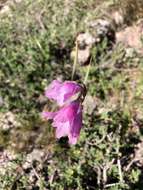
(67, 121)
(61, 92)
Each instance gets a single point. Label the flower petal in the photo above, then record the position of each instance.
(53, 90)
(76, 126)
(72, 140)
(48, 115)
(67, 90)
(68, 122)
(61, 92)
(62, 130)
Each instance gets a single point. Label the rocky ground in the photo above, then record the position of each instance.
(110, 55)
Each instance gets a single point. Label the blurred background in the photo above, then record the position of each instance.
(37, 45)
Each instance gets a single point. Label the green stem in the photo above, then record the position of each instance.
(87, 72)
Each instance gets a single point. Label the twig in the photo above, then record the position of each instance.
(105, 174)
(118, 159)
(112, 184)
(110, 138)
(120, 170)
(97, 142)
(38, 177)
(35, 172)
(130, 164)
(98, 168)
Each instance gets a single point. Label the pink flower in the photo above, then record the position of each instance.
(61, 92)
(67, 121)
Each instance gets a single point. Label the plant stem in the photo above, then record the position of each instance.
(87, 73)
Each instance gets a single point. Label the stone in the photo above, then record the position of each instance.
(117, 18)
(99, 29)
(84, 40)
(131, 36)
(89, 104)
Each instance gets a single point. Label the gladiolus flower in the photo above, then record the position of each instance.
(61, 92)
(67, 121)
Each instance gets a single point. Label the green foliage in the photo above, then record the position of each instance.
(35, 44)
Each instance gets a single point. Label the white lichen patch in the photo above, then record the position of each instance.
(6, 158)
(8, 121)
